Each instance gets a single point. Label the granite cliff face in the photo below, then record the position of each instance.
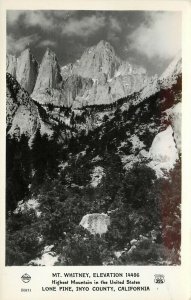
(24, 69)
(47, 87)
(27, 70)
(22, 114)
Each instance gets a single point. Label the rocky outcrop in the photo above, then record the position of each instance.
(163, 151)
(27, 70)
(96, 223)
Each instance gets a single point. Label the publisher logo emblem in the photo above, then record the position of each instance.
(26, 278)
(159, 278)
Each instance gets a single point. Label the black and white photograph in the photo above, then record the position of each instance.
(93, 137)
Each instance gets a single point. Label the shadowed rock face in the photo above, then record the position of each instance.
(21, 112)
(11, 64)
(96, 223)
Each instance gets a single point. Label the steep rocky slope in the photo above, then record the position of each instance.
(22, 114)
(11, 64)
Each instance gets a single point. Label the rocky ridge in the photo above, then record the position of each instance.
(106, 76)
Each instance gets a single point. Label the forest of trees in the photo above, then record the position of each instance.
(140, 204)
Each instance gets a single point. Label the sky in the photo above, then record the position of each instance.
(145, 38)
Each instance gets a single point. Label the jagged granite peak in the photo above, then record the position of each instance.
(27, 70)
(113, 78)
(11, 64)
(96, 59)
(49, 75)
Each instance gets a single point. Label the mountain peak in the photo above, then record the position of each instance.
(50, 52)
(96, 59)
(49, 75)
(104, 43)
(174, 68)
(27, 70)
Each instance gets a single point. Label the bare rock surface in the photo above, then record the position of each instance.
(47, 87)
(27, 70)
(11, 64)
(163, 151)
(96, 223)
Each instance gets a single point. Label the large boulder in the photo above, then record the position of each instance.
(163, 151)
(96, 223)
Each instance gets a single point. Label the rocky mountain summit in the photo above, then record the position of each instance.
(112, 78)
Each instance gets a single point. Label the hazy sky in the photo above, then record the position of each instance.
(149, 39)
